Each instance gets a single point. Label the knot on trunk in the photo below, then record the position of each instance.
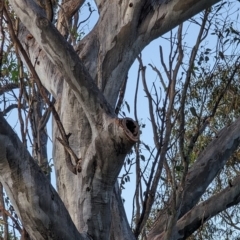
(130, 127)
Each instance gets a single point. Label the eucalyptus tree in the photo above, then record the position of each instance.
(80, 81)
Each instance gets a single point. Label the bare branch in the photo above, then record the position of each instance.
(8, 87)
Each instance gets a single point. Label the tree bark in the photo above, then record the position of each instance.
(204, 170)
(34, 199)
(198, 215)
(86, 88)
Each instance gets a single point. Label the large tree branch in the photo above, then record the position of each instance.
(209, 163)
(38, 205)
(102, 163)
(219, 202)
(134, 27)
(158, 17)
(62, 54)
(205, 169)
(46, 70)
(115, 46)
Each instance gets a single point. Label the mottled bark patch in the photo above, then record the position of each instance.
(184, 5)
(159, 22)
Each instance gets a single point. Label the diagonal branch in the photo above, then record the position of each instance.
(64, 141)
(65, 58)
(214, 157)
(219, 202)
(23, 180)
(205, 169)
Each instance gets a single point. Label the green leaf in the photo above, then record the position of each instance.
(179, 168)
(146, 146)
(128, 107)
(221, 55)
(15, 74)
(193, 111)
